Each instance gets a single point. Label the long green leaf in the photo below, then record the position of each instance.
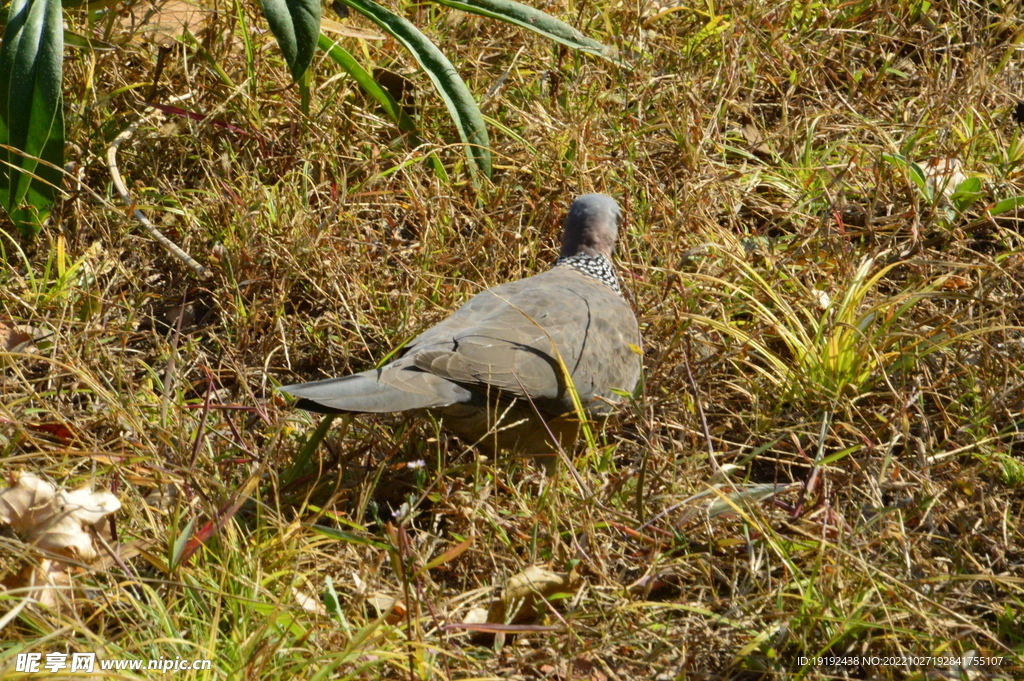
(366, 81)
(461, 105)
(31, 111)
(535, 20)
(180, 542)
(72, 39)
(342, 535)
(345, 60)
(1006, 205)
(296, 25)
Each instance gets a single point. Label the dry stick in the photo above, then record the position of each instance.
(165, 400)
(700, 407)
(115, 175)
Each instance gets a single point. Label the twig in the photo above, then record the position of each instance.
(700, 408)
(115, 175)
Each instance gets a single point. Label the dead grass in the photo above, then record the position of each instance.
(746, 148)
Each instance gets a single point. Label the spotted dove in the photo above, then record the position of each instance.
(475, 369)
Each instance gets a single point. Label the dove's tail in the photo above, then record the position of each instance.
(388, 389)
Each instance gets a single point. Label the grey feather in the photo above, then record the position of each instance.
(396, 387)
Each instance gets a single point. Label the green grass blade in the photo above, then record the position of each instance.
(342, 535)
(180, 542)
(298, 467)
(345, 60)
(535, 20)
(457, 98)
(250, 50)
(31, 112)
(296, 25)
(917, 174)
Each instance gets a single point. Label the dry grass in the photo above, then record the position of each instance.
(746, 148)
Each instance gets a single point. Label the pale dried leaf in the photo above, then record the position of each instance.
(308, 603)
(55, 521)
(724, 471)
(523, 591)
(361, 586)
(12, 337)
(944, 175)
(87, 506)
(752, 134)
(821, 299)
(383, 603)
(63, 534)
(26, 503)
(476, 616)
(537, 580)
(42, 582)
(745, 496)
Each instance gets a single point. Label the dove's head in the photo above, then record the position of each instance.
(592, 227)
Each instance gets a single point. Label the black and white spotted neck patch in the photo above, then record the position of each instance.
(596, 266)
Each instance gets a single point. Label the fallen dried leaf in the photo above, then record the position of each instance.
(41, 582)
(11, 337)
(944, 175)
(308, 603)
(518, 602)
(59, 430)
(17, 338)
(55, 521)
(476, 616)
(383, 603)
(955, 282)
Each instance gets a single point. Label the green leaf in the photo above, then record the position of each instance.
(296, 25)
(919, 177)
(461, 105)
(966, 194)
(970, 185)
(180, 542)
(31, 111)
(331, 601)
(72, 39)
(535, 20)
(1006, 205)
(913, 170)
(895, 159)
(345, 60)
(342, 535)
